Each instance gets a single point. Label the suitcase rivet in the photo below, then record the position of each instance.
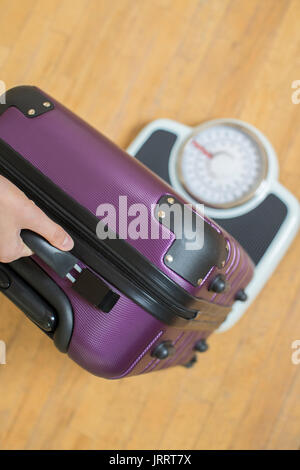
(169, 258)
(199, 281)
(171, 200)
(223, 264)
(161, 214)
(31, 112)
(47, 104)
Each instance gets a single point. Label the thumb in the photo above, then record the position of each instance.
(37, 221)
(25, 251)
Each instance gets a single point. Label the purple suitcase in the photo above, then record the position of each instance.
(138, 305)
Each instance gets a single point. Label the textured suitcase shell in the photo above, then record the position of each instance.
(92, 170)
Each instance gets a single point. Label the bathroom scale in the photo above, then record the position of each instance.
(231, 167)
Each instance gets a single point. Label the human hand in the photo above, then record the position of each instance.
(17, 212)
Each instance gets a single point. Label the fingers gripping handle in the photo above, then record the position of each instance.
(62, 262)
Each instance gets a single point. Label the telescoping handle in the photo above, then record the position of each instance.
(27, 299)
(62, 262)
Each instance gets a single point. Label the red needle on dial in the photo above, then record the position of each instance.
(203, 150)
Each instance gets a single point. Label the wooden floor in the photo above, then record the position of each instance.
(119, 64)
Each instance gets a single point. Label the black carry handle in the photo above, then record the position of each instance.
(62, 262)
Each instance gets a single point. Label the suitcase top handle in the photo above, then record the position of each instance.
(62, 262)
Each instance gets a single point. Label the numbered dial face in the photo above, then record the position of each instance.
(222, 165)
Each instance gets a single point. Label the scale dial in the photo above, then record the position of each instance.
(222, 164)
